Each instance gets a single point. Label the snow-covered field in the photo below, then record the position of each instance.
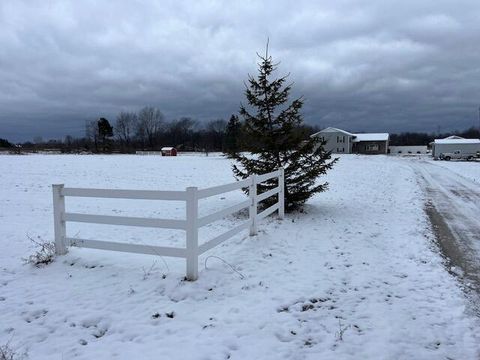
(467, 169)
(356, 276)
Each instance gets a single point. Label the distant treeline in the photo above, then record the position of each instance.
(414, 138)
(148, 130)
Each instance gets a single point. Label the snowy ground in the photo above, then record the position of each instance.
(356, 276)
(453, 192)
(468, 169)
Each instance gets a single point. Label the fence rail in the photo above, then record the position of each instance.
(125, 194)
(190, 225)
(139, 152)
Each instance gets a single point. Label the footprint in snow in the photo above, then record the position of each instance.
(30, 316)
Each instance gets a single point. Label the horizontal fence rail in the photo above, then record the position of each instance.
(190, 225)
(124, 247)
(125, 221)
(204, 193)
(126, 194)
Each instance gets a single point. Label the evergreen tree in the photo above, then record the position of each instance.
(233, 134)
(4, 143)
(272, 128)
(105, 130)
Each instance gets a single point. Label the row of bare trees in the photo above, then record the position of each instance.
(148, 129)
(143, 126)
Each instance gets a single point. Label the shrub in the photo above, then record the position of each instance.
(44, 255)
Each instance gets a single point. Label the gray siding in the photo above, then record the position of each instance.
(337, 142)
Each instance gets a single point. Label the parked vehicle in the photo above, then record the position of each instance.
(459, 155)
(451, 144)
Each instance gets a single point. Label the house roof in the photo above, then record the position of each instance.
(371, 137)
(332, 129)
(454, 137)
(457, 141)
(167, 148)
(356, 137)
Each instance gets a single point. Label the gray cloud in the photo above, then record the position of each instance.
(361, 65)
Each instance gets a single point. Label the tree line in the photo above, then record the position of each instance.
(148, 129)
(419, 138)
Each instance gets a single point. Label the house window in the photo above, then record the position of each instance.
(340, 139)
(371, 147)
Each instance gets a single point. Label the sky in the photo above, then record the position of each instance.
(376, 65)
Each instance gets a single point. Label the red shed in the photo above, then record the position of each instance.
(169, 151)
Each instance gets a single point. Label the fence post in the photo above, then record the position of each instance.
(192, 233)
(281, 194)
(252, 213)
(58, 222)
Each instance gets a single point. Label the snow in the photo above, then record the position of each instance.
(371, 137)
(457, 141)
(355, 276)
(457, 198)
(356, 137)
(467, 169)
(332, 129)
(454, 137)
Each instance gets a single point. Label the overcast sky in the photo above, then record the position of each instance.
(373, 65)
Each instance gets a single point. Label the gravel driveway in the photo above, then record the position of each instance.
(453, 205)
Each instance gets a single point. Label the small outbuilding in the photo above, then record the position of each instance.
(169, 151)
(454, 143)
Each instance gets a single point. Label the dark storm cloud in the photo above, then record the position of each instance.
(361, 65)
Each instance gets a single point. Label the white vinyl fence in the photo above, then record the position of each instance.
(138, 152)
(191, 224)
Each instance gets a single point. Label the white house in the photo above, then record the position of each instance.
(343, 142)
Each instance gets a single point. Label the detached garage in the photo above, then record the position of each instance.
(452, 144)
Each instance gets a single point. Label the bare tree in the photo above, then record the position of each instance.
(91, 132)
(68, 143)
(125, 126)
(181, 130)
(149, 124)
(215, 133)
(217, 126)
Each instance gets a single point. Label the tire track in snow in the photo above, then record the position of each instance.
(453, 206)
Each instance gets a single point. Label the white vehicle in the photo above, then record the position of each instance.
(455, 147)
(459, 155)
